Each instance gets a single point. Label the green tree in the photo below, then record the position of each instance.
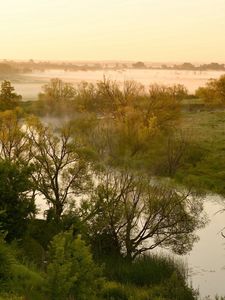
(61, 172)
(16, 200)
(71, 271)
(14, 142)
(136, 215)
(8, 98)
(56, 97)
(214, 92)
(132, 120)
(57, 90)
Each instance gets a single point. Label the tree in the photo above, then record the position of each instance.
(173, 151)
(115, 98)
(163, 102)
(137, 215)
(57, 90)
(16, 200)
(14, 142)
(56, 97)
(139, 65)
(61, 170)
(214, 91)
(108, 97)
(7, 69)
(71, 271)
(8, 98)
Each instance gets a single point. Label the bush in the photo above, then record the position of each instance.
(16, 278)
(6, 260)
(10, 297)
(26, 282)
(113, 290)
(71, 271)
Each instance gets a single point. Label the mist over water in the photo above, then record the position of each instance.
(190, 79)
(206, 261)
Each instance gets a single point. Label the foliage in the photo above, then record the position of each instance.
(204, 165)
(61, 172)
(14, 142)
(57, 90)
(15, 278)
(122, 135)
(6, 260)
(172, 289)
(71, 271)
(9, 296)
(26, 282)
(8, 98)
(138, 215)
(146, 270)
(16, 203)
(56, 97)
(214, 92)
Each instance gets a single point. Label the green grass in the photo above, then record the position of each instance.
(149, 277)
(207, 169)
(146, 270)
(10, 297)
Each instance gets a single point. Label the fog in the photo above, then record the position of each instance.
(191, 79)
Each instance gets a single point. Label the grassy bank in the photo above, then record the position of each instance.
(207, 129)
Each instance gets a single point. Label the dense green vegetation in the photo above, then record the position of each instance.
(120, 170)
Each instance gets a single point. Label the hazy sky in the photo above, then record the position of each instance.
(149, 30)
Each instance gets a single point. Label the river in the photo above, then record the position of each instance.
(191, 79)
(206, 261)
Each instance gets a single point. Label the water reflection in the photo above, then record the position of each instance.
(207, 259)
(206, 262)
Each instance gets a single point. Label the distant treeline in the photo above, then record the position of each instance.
(6, 69)
(14, 67)
(204, 67)
(185, 66)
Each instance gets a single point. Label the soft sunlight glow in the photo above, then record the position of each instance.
(150, 30)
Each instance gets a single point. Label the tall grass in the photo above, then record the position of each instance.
(147, 278)
(144, 271)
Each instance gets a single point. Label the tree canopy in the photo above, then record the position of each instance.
(16, 199)
(139, 215)
(8, 98)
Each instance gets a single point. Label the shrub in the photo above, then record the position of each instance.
(71, 271)
(6, 260)
(113, 290)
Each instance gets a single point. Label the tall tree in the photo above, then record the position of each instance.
(56, 97)
(14, 141)
(8, 98)
(16, 199)
(61, 171)
(135, 215)
(57, 90)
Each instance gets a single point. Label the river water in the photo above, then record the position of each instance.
(206, 261)
(191, 79)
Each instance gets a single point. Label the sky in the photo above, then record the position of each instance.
(146, 30)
